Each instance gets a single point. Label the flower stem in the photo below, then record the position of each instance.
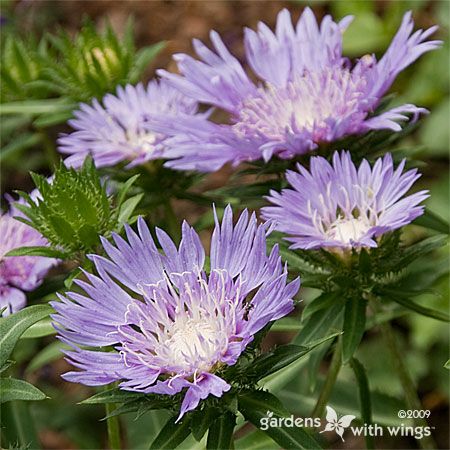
(409, 389)
(327, 388)
(113, 427)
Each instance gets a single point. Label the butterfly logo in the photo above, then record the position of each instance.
(335, 424)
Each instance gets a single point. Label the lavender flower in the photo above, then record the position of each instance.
(309, 93)
(341, 206)
(19, 273)
(115, 132)
(174, 326)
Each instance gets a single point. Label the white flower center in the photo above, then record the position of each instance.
(143, 142)
(308, 103)
(349, 229)
(192, 339)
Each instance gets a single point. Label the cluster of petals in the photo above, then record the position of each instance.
(308, 93)
(169, 323)
(19, 273)
(116, 130)
(339, 205)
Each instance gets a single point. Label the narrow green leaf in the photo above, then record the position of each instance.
(325, 300)
(202, 420)
(261, 401)
(220, 434)
(21, 142)
(50, 120)
(257, 405)
(319, 324)
(13, 389)
(113, 395)
(37, 251)
(354, 326)
(432, 221)
(447, 365)
(14, 325)
(275, 360)
(40, 329)
(407, 303)
(47, 355)
(256, 440)
(172, 434)
(365, 401)
(37, 107)
(143, 58)
(128, 206)
(124, 189)
(287, 324)
(280, 357)
(421, 248)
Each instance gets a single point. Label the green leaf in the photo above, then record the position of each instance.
(172, 434)
(319, 324)
(255, 405)
(432, 221)
(421, 248)
(220, 434)
(37, 107)
(13, 389)
(354, 326)
(50, 120)
(280, 357)
(286, 324)
(17, 144)
(325, 300)
(261, 401)
(40, 329)
(407, 303)
(256, 440)
(124, 189)
(143, 58)
(202, 420)
(128, 207)
(113, 395)
(52, 352)
(365, 401)
(48, 252)
(447, 365)
(14, 325)
(275, 360)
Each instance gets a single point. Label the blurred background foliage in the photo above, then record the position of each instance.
(55, 54)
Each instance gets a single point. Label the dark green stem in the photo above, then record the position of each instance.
(327, 388)
(409, 389)
(113, 426)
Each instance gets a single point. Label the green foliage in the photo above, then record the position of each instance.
(73, 212)
(254, 406)
(14, 325)
(220, 434)
(78, 68)
(172, 434)
(12, 389)
(365, 401)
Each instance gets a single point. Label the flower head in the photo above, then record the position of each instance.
(342, 206)
(175, 325)
(115, 131)
(308, 94)
(19, 273)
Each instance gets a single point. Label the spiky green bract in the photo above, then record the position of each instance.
(89, 64)
(72, 210)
